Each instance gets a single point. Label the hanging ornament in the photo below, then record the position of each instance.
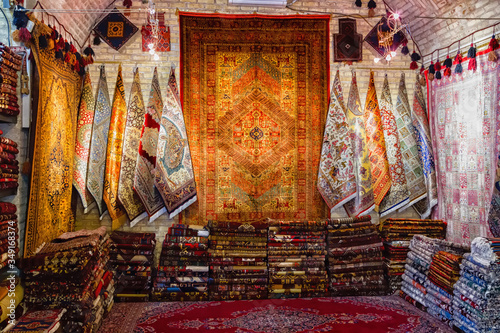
(414, 58)
(493, 45)
(471, 54)
(358, 3)
(97, 40)
(371, 5)
(458, 61)
(404, 49)
(432, 71)
(437, 67)
(127, 4)
(447, 64)
(24, 35)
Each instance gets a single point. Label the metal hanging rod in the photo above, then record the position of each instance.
(458, 18)
(383, 68)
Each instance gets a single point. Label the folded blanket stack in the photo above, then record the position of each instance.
(9, 234)
(72, 272)
(182, 273)
(355, 262)
(476, 296)
(297, 251)
(9, 165)
(132, 259)
(238, 260)
(39, 321)
(10, 64)
(397, 234)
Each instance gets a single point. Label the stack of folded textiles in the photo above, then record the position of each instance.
(10, 64)
(9, 236)
(297, 251)
(39, 321)
(11, 293)
(9, 166)
(355, 262)
(476, 295)
(238, 260)
(72, 272)
(132, 259)
(397, 234)
(182, 273)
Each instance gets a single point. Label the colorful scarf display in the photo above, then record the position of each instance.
(174, 176)
(398, 196)
(363, 204)
(135, 118)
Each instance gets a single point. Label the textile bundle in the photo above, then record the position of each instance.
(40, 321)
(131, 256)
(296, 256)
(9, 165)
(10, 64)
(238, 260)
(182, 273)
(72, 272)
(355, 262)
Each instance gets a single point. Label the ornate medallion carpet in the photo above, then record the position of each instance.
(350, 314)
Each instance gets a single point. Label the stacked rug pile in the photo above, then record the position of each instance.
(40, 321)
(397, 234)
(238, 260)
(10, 64)
(132, 259)
(72, 272)
(182, 273)
(9, 234)
(355, 262)
(297, 251)
(9, 166)
(476, 295)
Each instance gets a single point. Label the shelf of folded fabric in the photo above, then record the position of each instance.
(131, 257)
(238, 260)
(296, 255)
(183, 268)
(10, 64)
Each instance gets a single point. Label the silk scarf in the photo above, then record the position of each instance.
(398, 195)
(363, 204)
(146, 160)
(381, 178)
(336, 179)
(100, 129)
(174, 176)
(82, 144)
(135, 118)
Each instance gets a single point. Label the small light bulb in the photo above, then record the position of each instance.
(152, 51)
(396, 16)
(151, 45)
(388, 58)
(156, 57)
(376, 60)
(393, 54)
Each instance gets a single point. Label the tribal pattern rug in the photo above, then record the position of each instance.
(255, 98)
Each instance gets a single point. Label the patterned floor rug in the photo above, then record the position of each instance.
(349, 314)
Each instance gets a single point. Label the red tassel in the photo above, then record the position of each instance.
(447, 71)
(72, 48)
(413, 65)
(493, 45)
(437, 66)
(77, 66)
(127, 3)
(60, 43)
(458, 59)
(67, 57)
(24, 35)
(472, 64)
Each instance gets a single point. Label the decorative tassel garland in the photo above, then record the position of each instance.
(432, 71)
(24, 35)
(447, 63)
(414, 58)
(19, 18)
(371, 11)
(358, 3)
(471, 54)
(97, 40)
(493, 45)
(437, 67)
(458, 62)
(404, 49)
(88, 51)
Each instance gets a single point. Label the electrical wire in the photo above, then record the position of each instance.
(8, 24)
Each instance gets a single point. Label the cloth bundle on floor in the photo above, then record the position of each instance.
(296, 255)
(238, 260)
(72, 272)
(10, 64)
(355, 262)
(182, 273)
(9, 166)
(131, 256)
(40, 321)
(476, 295)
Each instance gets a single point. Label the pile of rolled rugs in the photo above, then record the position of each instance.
(132, 259)
(9, 165)
(355, 262)
(297, 251)
(182, 273)
(10, 64)
(72, 272)
(238, 260)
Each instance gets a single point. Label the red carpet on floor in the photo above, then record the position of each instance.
(351, 314)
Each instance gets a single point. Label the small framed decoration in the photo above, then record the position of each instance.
(347, 44)
(115, 29)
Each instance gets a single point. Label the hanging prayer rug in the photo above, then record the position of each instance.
(82, 144)
(135, 118)
(363, 203)
(413, 167)
(114, 154)
(255, 94)
(174, 176)
(381, 178)
(49, 211)
(424, 144)
(336, 180)
(398, 196)
(146, 160)
(100, 129)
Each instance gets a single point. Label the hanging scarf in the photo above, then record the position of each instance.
(135, 118)
(398, 195)
(100, 129)
(364, 202)
(146, 161)
(336, 180)
(82, 145)
(381, 178)
(174, 176)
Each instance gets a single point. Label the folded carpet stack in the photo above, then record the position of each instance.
(476, 295)
(397, 234)
(182, 273)
(238, 260)
(9, 235)
(296, 255)
(9, 166)
(10, 64)
(39, 321)
(72, 272)
(355, 262)
(131, 257)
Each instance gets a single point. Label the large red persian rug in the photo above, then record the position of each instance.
(350, 314)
